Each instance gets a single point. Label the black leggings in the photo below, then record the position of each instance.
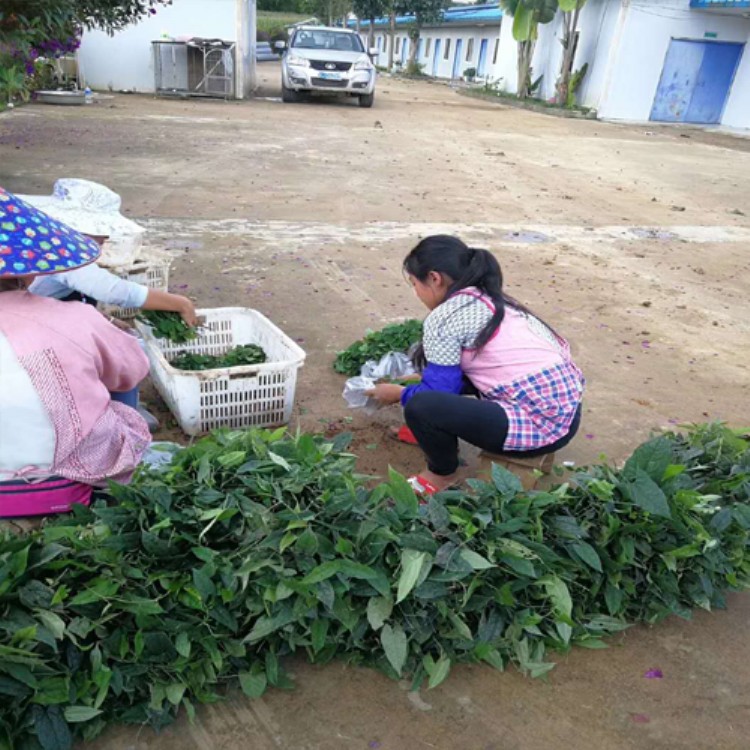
(439, 419)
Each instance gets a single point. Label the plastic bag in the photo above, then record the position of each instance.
(391, 365)
(355, 394)
(160, 454)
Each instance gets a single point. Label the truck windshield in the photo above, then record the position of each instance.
(330, 40)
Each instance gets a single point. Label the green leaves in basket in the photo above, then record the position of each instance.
(256, 545)
(239, 356)
(168, 325)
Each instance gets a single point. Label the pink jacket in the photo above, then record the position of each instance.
(74, 358)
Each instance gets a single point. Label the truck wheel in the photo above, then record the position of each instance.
(366, 100)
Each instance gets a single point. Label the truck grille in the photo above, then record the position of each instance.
(321, 65)
(328, 84)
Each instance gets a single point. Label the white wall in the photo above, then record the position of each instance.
(625, 44)
(445, 67)
(737, 112)
(506, 69)
(646, 31)
(125, 60)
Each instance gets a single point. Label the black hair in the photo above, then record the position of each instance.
(463, 267)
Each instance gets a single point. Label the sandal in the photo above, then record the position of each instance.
(422, 486)
(404, 435)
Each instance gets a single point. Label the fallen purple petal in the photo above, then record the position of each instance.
(373, 744)
(654, 674)
(640, 718)
(589, 436)
(182, 286)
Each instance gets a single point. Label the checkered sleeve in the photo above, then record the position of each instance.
(453, 327)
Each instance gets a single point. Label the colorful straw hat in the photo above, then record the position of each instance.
(33, 243)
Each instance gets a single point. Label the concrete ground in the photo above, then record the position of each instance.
(631, 240)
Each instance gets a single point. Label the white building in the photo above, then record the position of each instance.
(126, 60)
(467, 38)
(659, 60)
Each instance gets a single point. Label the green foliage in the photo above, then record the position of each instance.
(568, 6)
(238, 356)
(527, 15)
(370, 9)
(13, 84)
(424, 11)
(274, 25)
(575, 83)
(470, 73)
(396, 337)
(254, 545)
(168, 325)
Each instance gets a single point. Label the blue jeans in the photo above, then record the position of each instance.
(129, 398)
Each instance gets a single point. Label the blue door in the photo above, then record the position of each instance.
(482, 64)
(457, 58)
(404, 47)
(436, 57)
(696, 81)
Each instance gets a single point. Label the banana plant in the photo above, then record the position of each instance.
(527, 16)
(571, 13)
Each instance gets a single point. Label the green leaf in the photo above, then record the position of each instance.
(319, 631)
(253, 684)
(182, 644)
(404, 497)
(437, 670)
(523, 23)
(506, 482)
(322, 572)
(559, 595)
(411, 566)
(476, 561)
(613, 598)
(379, 609)
(588, 554)
(77, 714)
(395, 645)
(51, 729)
(175, 691)
(279, 460)
(264, 626)
(53, 622)
(652, 458)
(646, 494)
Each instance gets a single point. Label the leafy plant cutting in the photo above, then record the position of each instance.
(396, 337)
(168, 325)
(255, 545)
(238, 356)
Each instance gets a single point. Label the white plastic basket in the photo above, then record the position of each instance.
(150, 273)
(251, 396)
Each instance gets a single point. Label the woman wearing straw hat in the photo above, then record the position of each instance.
(60, 432)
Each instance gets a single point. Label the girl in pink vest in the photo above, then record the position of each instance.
(60, 432)
(479, 340)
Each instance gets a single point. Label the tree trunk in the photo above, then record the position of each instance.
(371, 35)
(392, 38)
(411, 66)
(525, 55)
(359, 27)
(563, 86)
